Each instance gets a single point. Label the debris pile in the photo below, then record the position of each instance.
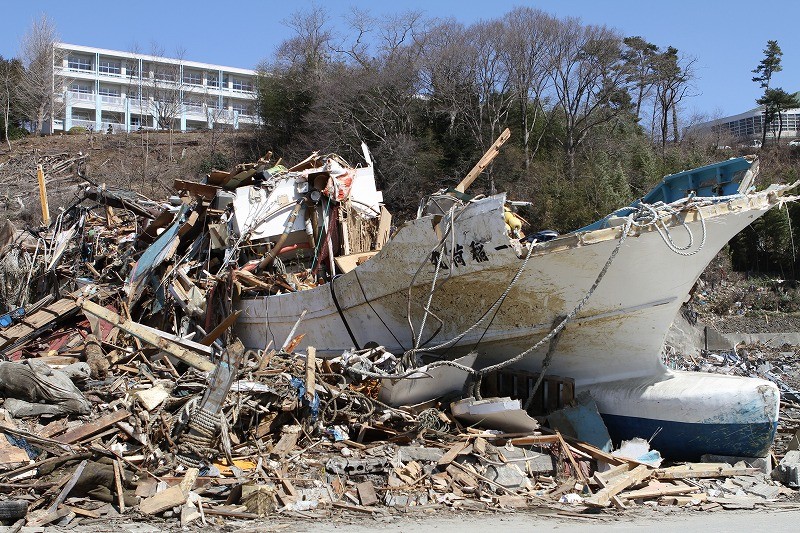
(20, 196)
(125, 389)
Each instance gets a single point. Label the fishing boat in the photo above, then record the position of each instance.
(594, 304)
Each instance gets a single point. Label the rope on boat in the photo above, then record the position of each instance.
(632, 220)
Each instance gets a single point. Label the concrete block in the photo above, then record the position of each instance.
(765, 490)
(762, 463)
(788, 471)
(509, 476)
(420, 453)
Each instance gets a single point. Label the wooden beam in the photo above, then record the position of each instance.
(144, 333)
(484, 161)
(43, 196)
(311, 367)
(198, 189)
(209, 339)
(81, 432)
(703, 470)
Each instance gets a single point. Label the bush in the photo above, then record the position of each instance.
(215, 160)
(77, 130)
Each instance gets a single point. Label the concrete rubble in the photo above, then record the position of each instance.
(125, 392)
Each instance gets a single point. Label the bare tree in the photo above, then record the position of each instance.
(10, 74)
(672, 76)
(588, 80)
(526, 50)
(468, 79)
(36, 94)
(446, 71)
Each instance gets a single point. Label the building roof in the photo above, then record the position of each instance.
(147, 57)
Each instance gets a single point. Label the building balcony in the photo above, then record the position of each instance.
(73, 96)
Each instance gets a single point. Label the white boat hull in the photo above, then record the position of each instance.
(618, 335)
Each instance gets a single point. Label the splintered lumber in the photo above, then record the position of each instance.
(147, 335)
(703, 470)
(37, 323)
(617, 485)
(568, 453)
(87, 430)
(603, 482)
(43, 196)
(118, 484)
(171, 497)
(484, 161)
(656, 490)
(166, 499)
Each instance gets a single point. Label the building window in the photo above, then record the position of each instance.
(79, 63)
(132, 69)
(109, 67)
(165, 75)
(108, 91)
(245, 86)
(193, 103)
(212, 80)
(241, 107)
(81, 88)
(192, 78)
(213, 104)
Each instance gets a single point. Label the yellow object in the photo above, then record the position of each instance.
(513, 222)
(43, 196)
(225, 469)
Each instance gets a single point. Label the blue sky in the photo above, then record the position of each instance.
(726, 37)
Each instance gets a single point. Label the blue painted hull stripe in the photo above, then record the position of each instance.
(688, 441)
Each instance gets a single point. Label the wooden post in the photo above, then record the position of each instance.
(311, 367)
(484, 161)
(43, 196)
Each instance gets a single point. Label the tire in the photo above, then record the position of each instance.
(13, 509)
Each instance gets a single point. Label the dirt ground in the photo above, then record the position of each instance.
(778, 519)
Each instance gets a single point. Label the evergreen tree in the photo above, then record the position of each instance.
(765, 69)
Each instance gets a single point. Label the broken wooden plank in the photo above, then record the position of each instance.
(166, 499)
(145, 334)
(118, 485)
(86, 430)
(451, 454)
(614, 499)
(703, 470)
(578, 471)
(617, 485)
(657, 491)
(203, 190)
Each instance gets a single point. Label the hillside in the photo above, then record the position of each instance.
(145, 162)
